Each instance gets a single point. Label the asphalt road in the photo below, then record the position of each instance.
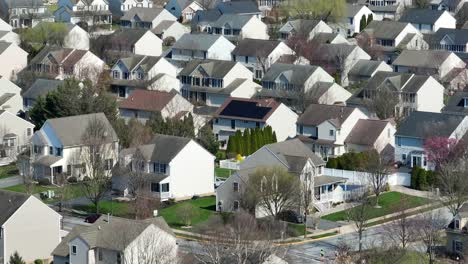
(11, 181)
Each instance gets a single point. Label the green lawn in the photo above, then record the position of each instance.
(205, 207)
(387, 201)
(223, 173)
(120, 209)
(8, 171)
(75, 190)
(36, 189)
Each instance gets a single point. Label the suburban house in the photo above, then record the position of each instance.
(387, 9)
(369, 134)
(128, 41)
(363, 70)
(437, 63)
(129, 4)
(303, 27)
(16, 57)
(40, 87)
(329, 38)
(143, 72)
(240, 7)
(76, 37)
(427, 20)
(10, 96)
(350, 23)
(338, 59)
(298, 160)
(4, 26)
(171, 169)
(117, 240)
(239, 114)
(292, 83)
(24, 14)
(149, 18)
(258, 54)
(324, 128)
(60, 146)
(420, 126)
(15, 135)
(184, 9)
(19, 235)
(62, 63)
(88, 12)
(457, 232)
(265, 6)
(202, 46)
(454, 40)
(141, 104)
(169, 28)
(457, 104)
(9, 36)
(212, 82)
(455, 80)
(203, 18)
(235, 27)
(411, 92)
(389, 37)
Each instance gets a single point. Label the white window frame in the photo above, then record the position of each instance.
(74, 249)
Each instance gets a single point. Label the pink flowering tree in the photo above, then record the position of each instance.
(440, 150)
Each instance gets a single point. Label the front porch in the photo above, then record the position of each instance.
(47, 167)
(329, 190)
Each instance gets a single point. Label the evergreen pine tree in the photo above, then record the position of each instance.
(16, 259)
(370, 17)
(274, 137)
(362, 23)
(239, 145)
(247, 142)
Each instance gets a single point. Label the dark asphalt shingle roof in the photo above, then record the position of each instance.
(163, 148)
(4, 45)
(196, 41)
(316, 114)
(365, 68)
(301, 25)
(457, 36)
(427, 124)
(255, 47)
(421, 16)
(41, 87)
(422, 58)
(295, 74)
(145, 14)
(385, 29)
(145, 100)
(366, 132)
(238, 7)
(294, 153)
(9, 203)
(213, 68)
(456, 104)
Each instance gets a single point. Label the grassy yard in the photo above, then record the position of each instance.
(120, 209)
(74, 190)
(205, 207)
(223, 173)
(387, 201)
(9, 170)
(36, 189)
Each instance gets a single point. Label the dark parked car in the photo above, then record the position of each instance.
(92, 218)
(291, 216)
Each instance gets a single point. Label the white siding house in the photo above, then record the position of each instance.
(427, 20)
(18, 234)
(16, 57)
(10, 96)
(202, 46)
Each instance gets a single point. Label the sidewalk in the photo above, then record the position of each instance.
(412, 192)
(11, 181)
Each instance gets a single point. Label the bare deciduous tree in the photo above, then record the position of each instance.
(430, 227)
(359, 215)
(377, 169)
(401, 231)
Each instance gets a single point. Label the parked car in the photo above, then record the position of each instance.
(291, 216)
(92, 218)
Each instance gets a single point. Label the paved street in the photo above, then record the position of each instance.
(11, 181)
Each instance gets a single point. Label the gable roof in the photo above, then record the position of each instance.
(213, 68)
(300, 25)
(421, 16)
(196, 41)
(456, 103)
(41, 87)
(247, 109)
(115, 234)
(238, 7)
(316, 114)
(255, 47)
(143, 13)
(127, 36)
(457, 36)
(71, 129)
(10, 202)
(366, 67)
(352, 9)
(366, 132)
(4, 46)
(295, 74)
(24, 3)
(163, 26)
(235, 21)
(405, 82)
(422, 58)
(163, 148)
(385, 29)
(294, 154)
(145, 100)
(427, 124)
(145, 62)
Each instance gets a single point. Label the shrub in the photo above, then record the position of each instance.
(186, 212)
(72, 179)
(86, 178)
(44, 181)
(169, 41)
(220, 155)
(332, 163)
(38, 261)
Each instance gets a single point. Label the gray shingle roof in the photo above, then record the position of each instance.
(395, 81)
(295, 154)
(9, 203)
(365, 68)
(41, 87)
(458, 36)
(70, 130)
(163, 148)
(233, 20)
(255, 47)
(301, 25)
(145, 62)
(4, 45)
(196, 41)
(352, 9)
(422, 58)
(421, 16)
(114, 235)
(456, 103)
(128, 36)
(238, 7)
(316, 114)
(25, 3)
(385, 29)
(427, 124)
(163, 26)
(324, 38)
(213, 68)
(326, 180)
(295, 74)
(366, 132)
(145, 14)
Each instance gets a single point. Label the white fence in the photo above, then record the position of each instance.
(360, 178)
(229, 164)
